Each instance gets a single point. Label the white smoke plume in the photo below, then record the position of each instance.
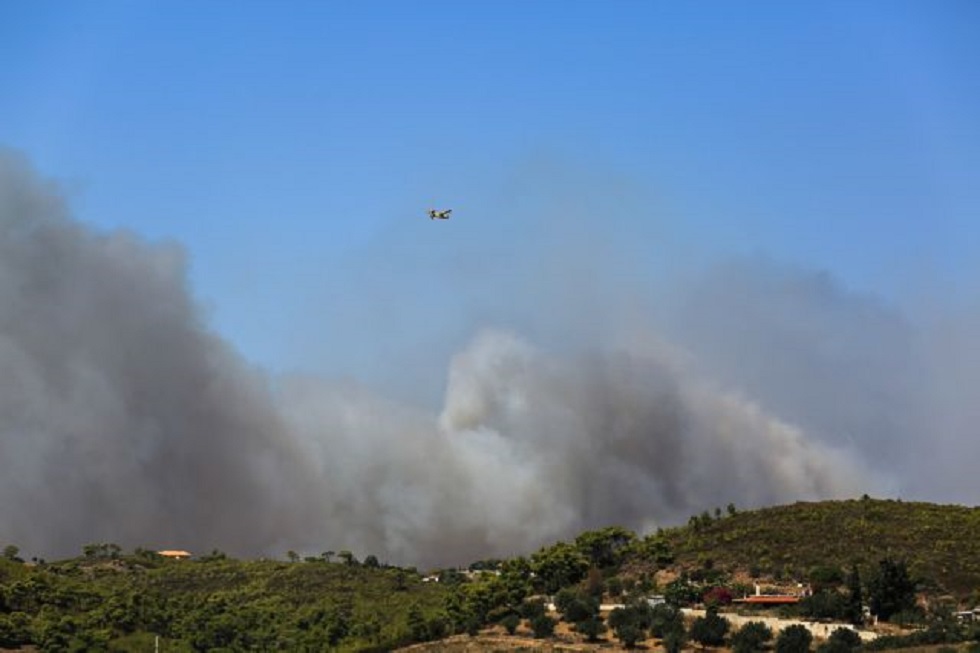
(124, 418)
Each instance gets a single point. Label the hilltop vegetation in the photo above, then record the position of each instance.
(120, 602)
(940, 544)
(852, 553)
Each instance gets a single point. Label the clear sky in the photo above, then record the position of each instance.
(294, 147)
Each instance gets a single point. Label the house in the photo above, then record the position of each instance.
(765, 600)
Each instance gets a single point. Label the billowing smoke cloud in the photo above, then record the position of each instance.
(847, 368)
(124, 418)
(530, 448)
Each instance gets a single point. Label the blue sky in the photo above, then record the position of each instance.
(293, 148)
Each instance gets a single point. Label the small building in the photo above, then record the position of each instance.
(174, 554)
(968, 616)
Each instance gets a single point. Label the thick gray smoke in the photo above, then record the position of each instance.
(124, 418)
(848, 369)
(529, 448)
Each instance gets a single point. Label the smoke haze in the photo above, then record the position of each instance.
(124, 418)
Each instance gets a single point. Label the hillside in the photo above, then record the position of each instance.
(91, 603)
(105, 600)
(940, 543)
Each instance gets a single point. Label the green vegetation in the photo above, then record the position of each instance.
(118, 602)
(709, 630)
(882, 554)
(751, 637)
(794, 639)
(891, 591)
(842, 640)
(631, 623)
(939, 543)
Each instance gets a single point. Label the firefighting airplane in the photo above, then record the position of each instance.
(439, 215)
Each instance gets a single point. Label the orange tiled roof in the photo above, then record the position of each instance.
(770, 599)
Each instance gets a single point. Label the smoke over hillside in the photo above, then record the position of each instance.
(124, 418)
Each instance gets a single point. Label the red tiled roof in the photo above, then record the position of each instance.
(768, 600)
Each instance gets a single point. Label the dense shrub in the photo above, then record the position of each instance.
(709, 630)
(751, 637)
(794, 639)
(543, 626)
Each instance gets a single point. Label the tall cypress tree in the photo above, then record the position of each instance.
(854, 608)
(891, 590)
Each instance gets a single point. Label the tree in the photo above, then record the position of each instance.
(591, 627)
(699, 522)
(709, 630)
(665, 618)
(681, 592)
(510, 623)
(457, 610)
(417, 626)
(751, 637)
(532, 609)
(326, 555)
(604, 547)
(656, 548)
(614, 586)
(348, 558)
(854, 605)
(558, 566)
(473, 626)
(675, 639)
(638, 613)
(794, 639)
(891, 590)
(369, 628)
(515, 575)
(582, 610)
(576, 607)
(543, 626)
(825, 604)
(10, 552)
(629, 634)
(842, 640)
(216, 555)
(631, 622)
(102, 550)
(292, 555)
(371, 561)
(15, 629)
(717, 596)
(825, 577)
(147, 555)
